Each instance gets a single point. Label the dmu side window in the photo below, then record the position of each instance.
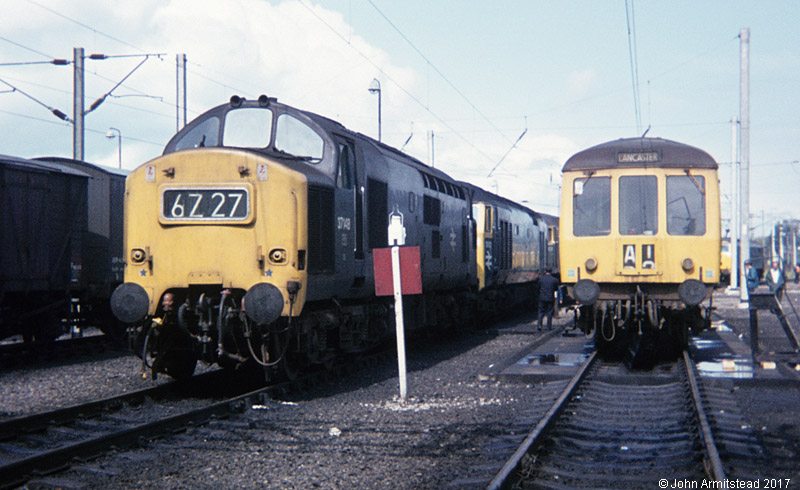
(591, 206)
(638, 205)
(686, 205)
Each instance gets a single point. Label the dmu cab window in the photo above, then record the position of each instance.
(638, 205)
(686, 205)
(591, 206)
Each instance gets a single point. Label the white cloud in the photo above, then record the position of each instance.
(307, 57)
(579, 83)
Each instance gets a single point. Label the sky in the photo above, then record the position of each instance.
(499, 94)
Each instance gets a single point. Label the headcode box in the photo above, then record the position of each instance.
(410, 271)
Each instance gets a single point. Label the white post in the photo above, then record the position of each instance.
(744, 153)
(734, 243)
(397, 237)
(77, 104)
(398, 320)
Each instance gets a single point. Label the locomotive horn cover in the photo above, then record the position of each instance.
(692, 292)
(586, 291)
(263, 303)
(129, 302)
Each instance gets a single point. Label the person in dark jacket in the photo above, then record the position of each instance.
(750, 276)
(548, 285)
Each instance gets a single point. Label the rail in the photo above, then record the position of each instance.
(666, 435)
(515, 463)
(713, 461)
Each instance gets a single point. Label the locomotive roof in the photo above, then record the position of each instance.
(330, 125)
(482, 195)
(550, 219)
(640, 152)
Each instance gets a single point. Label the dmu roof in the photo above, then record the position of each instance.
(640, 152)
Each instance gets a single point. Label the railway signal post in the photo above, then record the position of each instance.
(404, 264)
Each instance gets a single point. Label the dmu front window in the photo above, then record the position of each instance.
(686, 205)
(638, 205)
(591, 206)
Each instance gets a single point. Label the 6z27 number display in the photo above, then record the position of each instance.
(230, 204)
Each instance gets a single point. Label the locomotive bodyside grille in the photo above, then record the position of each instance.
(320, 228)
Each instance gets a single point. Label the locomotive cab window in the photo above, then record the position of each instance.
(591, 205)
(293, 136)
(344, 176)
(686, 205)
(248, 128)
(205, 133)
(638, 205)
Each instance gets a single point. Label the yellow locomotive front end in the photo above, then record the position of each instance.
(216, 239)
(510, 241)
(236, 225)
(640, 238)
(205, 231)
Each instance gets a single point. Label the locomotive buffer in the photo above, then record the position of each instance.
(397, 272)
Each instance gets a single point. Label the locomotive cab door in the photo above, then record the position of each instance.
(349, 216)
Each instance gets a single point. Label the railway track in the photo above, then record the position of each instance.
(50, 442)
(47, 442)
(615, 429)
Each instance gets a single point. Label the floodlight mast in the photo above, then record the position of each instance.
(375, 88)
(116, 133)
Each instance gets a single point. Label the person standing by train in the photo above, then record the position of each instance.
(750, 276)
(775, 280)
(548, 285)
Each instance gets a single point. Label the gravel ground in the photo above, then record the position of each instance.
(352, 433)
(771, 406)
(50, 385)
(355, 433)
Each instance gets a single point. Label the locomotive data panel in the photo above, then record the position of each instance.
(205, 204)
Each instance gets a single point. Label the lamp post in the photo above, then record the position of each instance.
(110, 134)
(375, 88)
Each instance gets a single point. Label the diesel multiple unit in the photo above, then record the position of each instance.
(640, 241)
